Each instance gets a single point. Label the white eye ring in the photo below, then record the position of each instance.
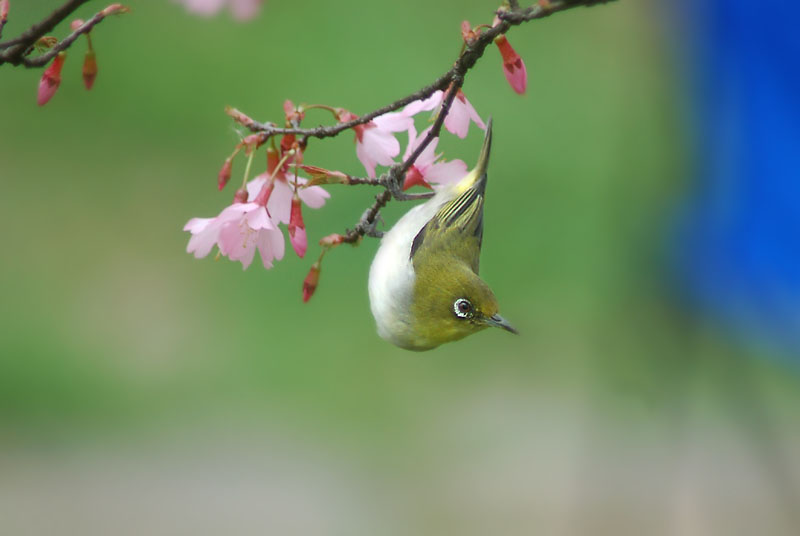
(462, 308)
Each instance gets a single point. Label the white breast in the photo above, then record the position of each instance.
(391, 276)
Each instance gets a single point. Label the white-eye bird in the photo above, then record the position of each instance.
(424, 287)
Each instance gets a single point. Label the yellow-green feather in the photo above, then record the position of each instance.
(446, 254)
(456, 230)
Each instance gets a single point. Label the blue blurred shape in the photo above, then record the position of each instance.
(739, 235)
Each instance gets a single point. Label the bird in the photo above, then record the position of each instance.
(424, 287)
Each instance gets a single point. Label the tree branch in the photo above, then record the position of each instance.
(42, 60)
(453, 80)
(476, 42)
(15, 48)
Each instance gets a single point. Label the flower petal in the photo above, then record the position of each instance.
(236, 241)
(393, 122)
(473, 114)
(258, 219)
(366, 159)
(517, 75)
(299, 240)
(255, 185)
(446, 172)
(428, 156)
(196, 225)
(278, 243)
(314, 196)
(413, 108)
(265, 249)
(457, 120)
(201, 243)
(203, 7)
(280, 202)
(381, 145)
(243, 10)
(461, 112)
(412, 139)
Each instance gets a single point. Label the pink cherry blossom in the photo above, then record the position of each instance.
(513, 66)
(239, 230)
(426, 169)
(375, 141)
(459, 117)
(279, 204)
(241, 10)
(205, 231)
(253, 229)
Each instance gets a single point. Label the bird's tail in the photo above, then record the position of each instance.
(477, 177)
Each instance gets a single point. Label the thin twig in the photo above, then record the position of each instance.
(452, 80)
(361, 180)
(64, 43)
(15, 48)
(368, 219)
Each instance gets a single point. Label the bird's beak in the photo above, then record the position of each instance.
(498, 321)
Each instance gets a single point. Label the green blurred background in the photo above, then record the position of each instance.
(145, 392)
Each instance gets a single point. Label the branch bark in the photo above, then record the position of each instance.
(45, 58)
(452, 80)
(15, 49)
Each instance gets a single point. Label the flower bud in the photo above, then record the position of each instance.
(3, 11)
(225, 173)
(77, 23)
(344, 115)
(51, 78)
(114, 9)
(325, 176)
(293, 113)
(240, 196)
(239, 117)
(331, 240)
(467, 33)
(272, 160)
(296, 228)
(513, 66)
(253, 142)
(311, 281)
(291, 147)
(89, 69)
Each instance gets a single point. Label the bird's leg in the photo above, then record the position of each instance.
(371, 227)
(414, 197)
(400, 195)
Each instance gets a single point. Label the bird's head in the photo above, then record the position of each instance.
(450, 302)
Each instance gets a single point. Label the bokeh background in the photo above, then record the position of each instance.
(145, 392)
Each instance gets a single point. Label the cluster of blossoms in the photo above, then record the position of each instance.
(51, 78)
(276, 196)
(240, 10)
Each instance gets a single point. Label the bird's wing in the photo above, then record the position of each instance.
(455, 231)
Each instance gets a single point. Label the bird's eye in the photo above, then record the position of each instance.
(463, 308)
